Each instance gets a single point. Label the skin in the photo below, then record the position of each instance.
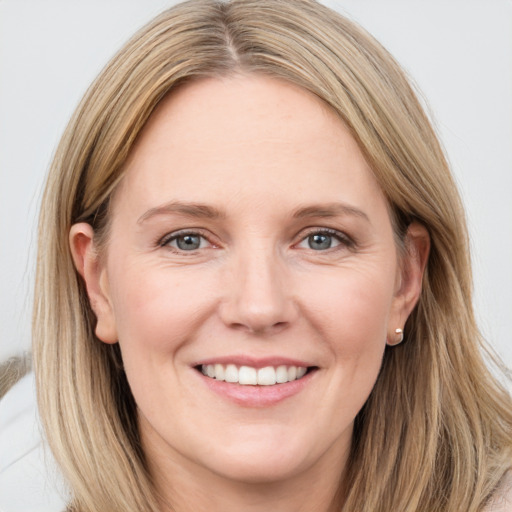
(277, 166)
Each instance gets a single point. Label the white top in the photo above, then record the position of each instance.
(29, 478)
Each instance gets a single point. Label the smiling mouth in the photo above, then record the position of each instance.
(249, 376)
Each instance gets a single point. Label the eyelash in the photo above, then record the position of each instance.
(344, 240)
(170, 237)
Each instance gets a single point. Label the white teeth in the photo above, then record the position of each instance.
(231, 374)
(266, 376)
(249, 376)
(210, 371)
(301, 371)
(219, 372)
(281, 374)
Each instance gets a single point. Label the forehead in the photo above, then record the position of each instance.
(248, 136)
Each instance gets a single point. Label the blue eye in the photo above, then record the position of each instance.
(320, 241)
(185, 241)
(323, 240)
(188, 242)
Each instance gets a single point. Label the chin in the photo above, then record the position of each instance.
(261, 466)
(267, 454)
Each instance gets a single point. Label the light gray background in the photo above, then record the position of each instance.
(458, 51)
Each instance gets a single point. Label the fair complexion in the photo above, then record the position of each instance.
(249, 231)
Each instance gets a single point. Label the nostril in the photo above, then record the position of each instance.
(259, 328)
(271, 329)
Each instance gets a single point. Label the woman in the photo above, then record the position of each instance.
(248, 211)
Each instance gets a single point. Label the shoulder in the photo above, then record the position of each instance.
(29, 478)
(502, 499)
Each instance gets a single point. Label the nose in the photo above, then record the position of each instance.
(258, 294)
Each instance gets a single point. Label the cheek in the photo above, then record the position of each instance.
(356, 304)
(157, 312)
(350, 313)
(357, 332)
(158, 309)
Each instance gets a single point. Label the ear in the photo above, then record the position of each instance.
(89, 266)
(412, 268)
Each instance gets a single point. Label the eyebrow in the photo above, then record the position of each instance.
(329, 210)
(202, 211)
(197, 210)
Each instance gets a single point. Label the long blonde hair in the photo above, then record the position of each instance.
(435, 434)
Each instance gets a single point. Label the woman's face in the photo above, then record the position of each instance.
(251, 279)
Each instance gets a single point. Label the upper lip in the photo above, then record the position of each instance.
(254, 362)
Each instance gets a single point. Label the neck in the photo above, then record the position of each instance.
(218, 495)
(183, 486)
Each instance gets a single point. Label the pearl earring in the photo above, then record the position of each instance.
(399, 337)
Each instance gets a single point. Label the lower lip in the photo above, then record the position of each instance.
(257, 396)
